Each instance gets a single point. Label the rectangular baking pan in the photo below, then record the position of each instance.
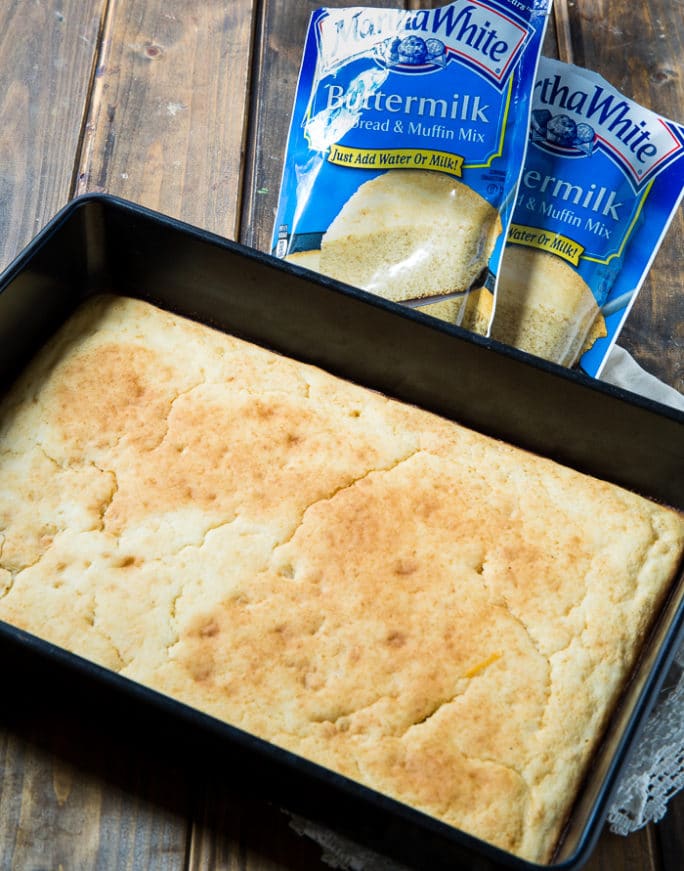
(100, 243)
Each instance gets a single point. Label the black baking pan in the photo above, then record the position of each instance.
(100, 243)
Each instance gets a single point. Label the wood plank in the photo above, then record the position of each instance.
(637, 852)
(168, 116)
(72, 797)
(648, 40)
(670, 834)
(237, 834)
(47, 53)
(563, 32)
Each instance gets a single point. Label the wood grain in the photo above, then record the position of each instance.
(639, 48)
(74, 797)
(47, 54)
(167, 121)
(616, 853)
(232, 833)
(563, 31)
(670, 832)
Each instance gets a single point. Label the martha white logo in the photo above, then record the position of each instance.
(572, 119)
(473, 32)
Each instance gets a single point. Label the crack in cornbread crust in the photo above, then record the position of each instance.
(442, 616)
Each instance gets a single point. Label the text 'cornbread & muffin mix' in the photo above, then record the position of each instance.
(406, 145)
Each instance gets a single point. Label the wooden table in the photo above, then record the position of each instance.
(183, 106)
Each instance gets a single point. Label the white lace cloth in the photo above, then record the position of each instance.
(655, 770)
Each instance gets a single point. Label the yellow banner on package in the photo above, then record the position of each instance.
(396, 158)
(544, 240)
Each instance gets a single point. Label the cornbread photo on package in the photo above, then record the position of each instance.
(405, 147)
(602, 180)
(438, 615)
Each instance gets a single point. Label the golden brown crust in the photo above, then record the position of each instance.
(444, 617)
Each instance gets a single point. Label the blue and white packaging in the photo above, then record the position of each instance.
(602, 180)
(406, 145)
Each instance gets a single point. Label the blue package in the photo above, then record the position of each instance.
(406, 144)
(603, 177)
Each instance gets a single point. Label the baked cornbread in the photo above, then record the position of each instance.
(409, 234)
(441, 616)
(544, 307)
(474, 315)
(310, 259)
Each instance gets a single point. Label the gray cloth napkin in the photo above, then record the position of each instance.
(623, 371)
